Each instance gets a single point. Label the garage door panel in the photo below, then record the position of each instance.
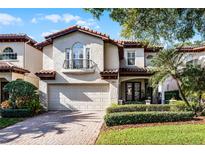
(78, 97)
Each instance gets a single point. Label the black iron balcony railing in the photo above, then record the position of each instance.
(79, 64)
(8, 56)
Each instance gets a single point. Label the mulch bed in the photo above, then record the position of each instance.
(196, 120)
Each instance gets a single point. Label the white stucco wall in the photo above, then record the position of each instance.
(57, 52)
(48, 57)
(33, 59)
(139, 57)
(111, 56)
(19, 48)
(54, 56)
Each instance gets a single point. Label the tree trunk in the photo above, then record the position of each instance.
(182, 94)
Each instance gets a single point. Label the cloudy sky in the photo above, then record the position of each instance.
(40, 22)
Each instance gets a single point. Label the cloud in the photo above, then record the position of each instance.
(49, 32)
(67, 18)
(55, 18)
(7, 19)
(89, 23)
(34, 21)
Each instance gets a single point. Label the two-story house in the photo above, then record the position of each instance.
(19, 59)
(86, 70)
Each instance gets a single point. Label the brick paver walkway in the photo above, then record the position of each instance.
(57, 127)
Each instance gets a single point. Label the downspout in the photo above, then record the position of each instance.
(24, 58)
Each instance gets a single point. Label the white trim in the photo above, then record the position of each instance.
(126, 58)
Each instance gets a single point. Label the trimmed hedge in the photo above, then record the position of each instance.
(138, 108)
(16, 113)
(123, 118)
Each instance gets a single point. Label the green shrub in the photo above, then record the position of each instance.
(177, 105)
(123, 118)
(34, 105)
(138, 108)
(15, 113)
(20, 92)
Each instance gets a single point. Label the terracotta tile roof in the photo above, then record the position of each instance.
(192, 49)
(110, 71)
(46, 74)
(105, 37)
(18, 38)
(9, 67)
(135, 71)
(77, 28)
(44, 43)
(109, 74)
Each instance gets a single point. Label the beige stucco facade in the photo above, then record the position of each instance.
(28, 58)
(106, 57)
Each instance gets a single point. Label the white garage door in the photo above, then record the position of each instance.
(78, 97)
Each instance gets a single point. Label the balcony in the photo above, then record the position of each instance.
(79, 66)
(8, 56)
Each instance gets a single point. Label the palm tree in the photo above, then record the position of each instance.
(169, 63)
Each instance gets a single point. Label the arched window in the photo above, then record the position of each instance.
(77, 57)
(8, 54)
(78, 51)
(149, 59)
(8, 50)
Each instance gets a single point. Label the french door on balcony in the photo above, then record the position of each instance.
(133, 91)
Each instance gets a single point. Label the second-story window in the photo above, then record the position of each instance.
(8, 50)
(149, 60)
(130, 58)
(77, 57)
(8, 54)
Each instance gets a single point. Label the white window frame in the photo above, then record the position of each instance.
(70, 51)
(126, 56)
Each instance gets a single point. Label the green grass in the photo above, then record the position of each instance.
(166, 134)
(5, 122)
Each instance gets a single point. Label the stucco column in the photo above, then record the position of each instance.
(114, 94)
(43, 93)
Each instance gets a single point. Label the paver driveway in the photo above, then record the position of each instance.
(56, 127)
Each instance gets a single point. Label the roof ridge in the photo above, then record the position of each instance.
(77, 27)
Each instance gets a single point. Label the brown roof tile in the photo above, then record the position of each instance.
(106, 38)
(18, 38)
(135, 71)
(192, 49)
(77, 28)
(9, 67)
(46, 74)
(109, 74)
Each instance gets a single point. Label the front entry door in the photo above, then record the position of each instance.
(133, 91)
(4, 95)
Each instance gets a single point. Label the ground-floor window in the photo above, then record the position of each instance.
(133, 91)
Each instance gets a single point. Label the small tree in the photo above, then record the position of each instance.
(20, 92)
(193, 83)
(169, 63)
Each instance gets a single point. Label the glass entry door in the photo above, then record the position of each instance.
(133, 91)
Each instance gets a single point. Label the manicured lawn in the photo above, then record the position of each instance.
(5, 122)
(165, 134)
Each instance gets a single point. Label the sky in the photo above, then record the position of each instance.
(38, 23)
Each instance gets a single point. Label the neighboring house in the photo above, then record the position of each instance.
(19, 59)
(86, 70)
(192, 55)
